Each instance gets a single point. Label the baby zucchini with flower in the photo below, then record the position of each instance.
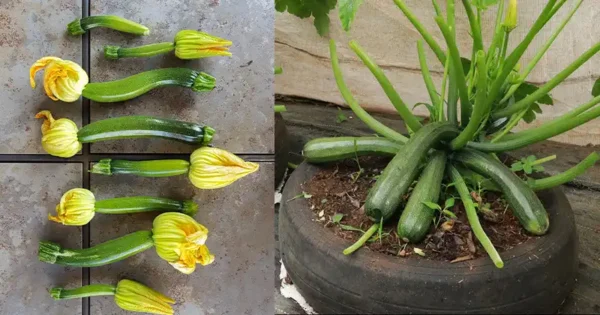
(208, 168)
(129, 295)
(65, 80)
(177, 237)
(188, 44)
(62, 138)
(78, 206)
(82, 25)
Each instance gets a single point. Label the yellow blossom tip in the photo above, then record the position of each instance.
(136, 297)
(63, 79)
(76, 207)
(191, 44)
(213, 168)
(59, 136)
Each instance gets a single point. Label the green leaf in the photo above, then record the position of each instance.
(596, 88)
(350, 228)
(538, 168)
(528, 88)
(527, 168)
(337, 218)
(322, 24)
(348, 9)
(450, 214)
(432, 205)
(432, 110)
(517, 166)
(466, 64)
(319, 9)
(302, 195)
(341, 117)
(449, 203)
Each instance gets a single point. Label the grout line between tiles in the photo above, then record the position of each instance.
(85, 112)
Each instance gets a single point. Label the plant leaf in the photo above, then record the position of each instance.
(350, 228)
(449, 203)
(517, 166)
(337, 218)
(466, 64)
(341, 117)
(527, 168)
(596, 88)
(432, 205)
(319, 9)
(348, 9)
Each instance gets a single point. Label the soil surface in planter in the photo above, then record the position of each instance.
(337, 190)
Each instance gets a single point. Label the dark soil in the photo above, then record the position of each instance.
(337, 190)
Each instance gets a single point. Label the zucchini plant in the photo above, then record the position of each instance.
(482, 97)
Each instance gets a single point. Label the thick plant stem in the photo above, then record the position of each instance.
(82, 292)
(421, 29)
(541, 52)
(480, 111)
(116, 52)
(478, 231)
(497, 32)
(475, 27)
(411, 121)
(362, 240)
(543, 90)
(80, 26)
(566, 176)
(362, 114)
(433, 95)
(125, 205)
(151, 168)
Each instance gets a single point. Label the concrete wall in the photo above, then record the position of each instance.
(384, 32)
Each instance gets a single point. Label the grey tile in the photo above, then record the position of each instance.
(30, 30)
(240, 107)
(240, 220)
(28, 193)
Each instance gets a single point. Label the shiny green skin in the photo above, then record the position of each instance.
(416, 218)
(138, 84)
(324, 150)
(145, 127)
(385, 196)
(525, 204)
(80, 26)
(151, 168)
(99, 255)
(126, 205)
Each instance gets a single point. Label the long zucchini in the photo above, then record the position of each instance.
(416, 218)
(386, 195)
(324, 150)
(526, 206)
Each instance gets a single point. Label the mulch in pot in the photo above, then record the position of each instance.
(335, 189)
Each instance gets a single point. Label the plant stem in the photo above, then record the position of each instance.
(138, 204)
(436, 7)
(457, 70)
(443, 95)
(497, 32)
(116, 52)
(480, 111)
(505, 40)
(543, 90)
(566, 176)
(280, 108)
(544, 160)
(362, 240)
(475, 27)
(152, 168)
(435, 98)
(478, 231)
(421, 29)
(541, 52)
(362, 114)
(409, 119)
(82, 292)
(511, 124)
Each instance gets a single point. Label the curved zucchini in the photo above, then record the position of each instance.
(526, 206)
(82, 25)
(143, 127)
(323, 150)
(386, 195)
(416, 218)
(138, 84)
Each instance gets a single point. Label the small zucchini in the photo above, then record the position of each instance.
(386, 195)
(80, 26)
(416, 218)
(324, 150)
(526, 206)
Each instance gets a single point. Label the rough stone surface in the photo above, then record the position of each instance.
(240, 107)
(30, 30)
(240, 220)
(28, 193)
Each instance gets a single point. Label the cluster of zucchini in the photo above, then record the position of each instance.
(493, 98)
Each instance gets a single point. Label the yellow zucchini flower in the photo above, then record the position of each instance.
(191, 44)
(76, 207)
(59, 137)
(63, 79)
(179, 240)
(215, 168)
(510, 22)
(135, 297)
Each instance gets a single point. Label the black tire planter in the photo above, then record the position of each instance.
(282, 149)
(537, 276)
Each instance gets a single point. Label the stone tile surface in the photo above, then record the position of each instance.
(240, 107)
(240, 220)
(30, 30)
(28, 192)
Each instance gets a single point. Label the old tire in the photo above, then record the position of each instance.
(537, 276)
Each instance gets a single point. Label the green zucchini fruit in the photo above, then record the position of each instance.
(386, 195)
(151, 168)
(82, 25)
(143, 127)
(416, 218)
(324, 150)
(525, 204)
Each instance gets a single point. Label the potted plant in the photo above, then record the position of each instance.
(495, 238)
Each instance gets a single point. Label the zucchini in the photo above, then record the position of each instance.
(386, 195)
(80, 26)
(323, 150)
(151, 168)
(144, 127)
(416, 218)
(99, 255)
(526, 206)
(127, 205)
(138, 84)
